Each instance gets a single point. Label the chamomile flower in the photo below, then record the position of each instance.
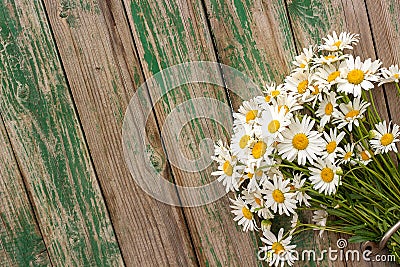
(260, 151)
(248, 112)
(332, 142)
(228, 171)
(345, 40)
(347, 154)
(350, 113)
(385, 138)
(278, 249)
(329, 59)
(320, 218)
(272, 123)
(277, 196)
(257, 204)
(364, 155)
(266, 225)
(288, 103)
(243, 214)
(324, 177)
(303, 60)
(301, 141)
(241, 140)
(327, 109)
(301, 195)
(390, 75)
(357, 75)
(298, 84)
(326, 76)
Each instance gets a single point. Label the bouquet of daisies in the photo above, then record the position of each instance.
(316, 142)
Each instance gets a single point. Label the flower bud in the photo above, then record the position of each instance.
(266, 225)
(372, 134)
(339, 171)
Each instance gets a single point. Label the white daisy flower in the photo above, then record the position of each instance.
(347, 154)
(356, 75)
(228, 172)
(364, 155)
(390, 75)
(298, 84)
(259, 152)
(272, 123)
(329, 59)
(385, 138)
(327, 109)
(324, 177)
(278, 249)
(301, 141)
(344, 41)
(248, 112)
(303, 60)
(326, 76)
(243, 214)
(320, 218)
(277, 196)
(297, 185)
(350, 113)
(289, 103)
(257, 204)
(241, 140)
(332, 142)
(252, 179)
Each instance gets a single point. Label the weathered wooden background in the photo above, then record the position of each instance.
(68, 70)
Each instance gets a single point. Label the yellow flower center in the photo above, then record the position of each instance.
(285, 107)
(243, 141)
(331, 146)
(355, 76)
(327, 175)
(300, 141)
(329, 109)
(347, 155)
(337, 44)
(316, 90)
(259, 149)
(365, 156)
(330, 57)
(333, 76)
(274, 126)
(251, 115)
(277, 248)
(278, 196)
(227, 168)
(259, 173)
(258, 201)
(250, 175)
(302, 66)
(275, 93)
(268, 98)
(351, 114)
(396, 75)
(302, 87)
(247, 213)
(387, 139)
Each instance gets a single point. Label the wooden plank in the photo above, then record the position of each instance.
(99, 58)
(169, 33)
(21, 243)
(45, 134)
(255, 38)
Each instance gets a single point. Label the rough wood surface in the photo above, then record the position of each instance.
(45, 134)
(169, 33)
(98, 55)
(21, 243)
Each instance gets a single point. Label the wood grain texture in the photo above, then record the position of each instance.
(21, 243)
(44, 132)
(169, 33)
(99, 58)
